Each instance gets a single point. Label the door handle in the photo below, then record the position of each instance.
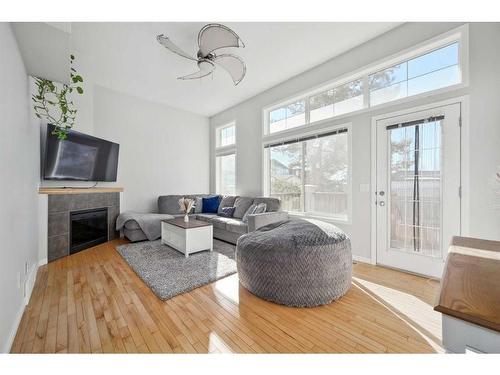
(382, 203)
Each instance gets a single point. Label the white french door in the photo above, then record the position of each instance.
(417, 188)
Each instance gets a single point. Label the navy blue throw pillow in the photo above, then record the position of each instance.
(227, 211)
(211, 205)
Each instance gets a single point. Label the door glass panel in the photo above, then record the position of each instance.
(415, 188)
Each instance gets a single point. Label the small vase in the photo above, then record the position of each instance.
(186, 218)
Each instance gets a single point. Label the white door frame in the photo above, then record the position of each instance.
(464, 165)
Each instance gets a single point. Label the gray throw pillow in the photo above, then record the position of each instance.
(242, 204)
(250, 211)
(227, 201)
(198, 205)
(260, 209)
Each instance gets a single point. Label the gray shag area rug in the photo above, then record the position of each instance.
(168, 272)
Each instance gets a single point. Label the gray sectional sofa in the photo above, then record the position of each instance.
(224, 228)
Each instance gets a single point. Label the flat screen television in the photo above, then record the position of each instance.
(79, 157)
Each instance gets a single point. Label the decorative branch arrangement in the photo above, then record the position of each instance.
(185, 205)
(49, 99)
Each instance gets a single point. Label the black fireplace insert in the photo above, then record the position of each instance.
(88, 228)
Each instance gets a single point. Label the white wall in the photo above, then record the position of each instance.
(18, 188)
(162, 150)
(484, 140)
(484, 220)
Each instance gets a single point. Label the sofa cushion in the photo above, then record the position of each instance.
(272, 204)
(211, 204)
(219, 222)
(205, 217)
(194, 197)
(241, 205)
(236, 226)
(169, 204)
(132, 225)
(226, 201)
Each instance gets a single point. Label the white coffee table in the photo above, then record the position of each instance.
(187, 237)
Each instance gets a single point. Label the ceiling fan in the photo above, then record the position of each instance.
(211, 38)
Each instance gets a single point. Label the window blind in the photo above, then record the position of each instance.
(306, 138)
(415, 122)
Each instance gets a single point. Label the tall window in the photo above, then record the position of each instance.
(225, 159)
(225, 171)
(428, 68)
(311, 174)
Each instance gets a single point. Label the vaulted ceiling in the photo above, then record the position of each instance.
(126, 57)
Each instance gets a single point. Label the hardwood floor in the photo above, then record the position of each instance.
(92, 302)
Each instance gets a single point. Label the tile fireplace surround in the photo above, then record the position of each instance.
(60, 204)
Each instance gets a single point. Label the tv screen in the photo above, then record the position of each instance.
(79, 157)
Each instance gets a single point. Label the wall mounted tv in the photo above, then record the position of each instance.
(79, 157)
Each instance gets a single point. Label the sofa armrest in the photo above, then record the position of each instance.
(257, 221)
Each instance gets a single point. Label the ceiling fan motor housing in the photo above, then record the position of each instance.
(210, 56)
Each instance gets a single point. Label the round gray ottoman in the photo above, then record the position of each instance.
(298, 262)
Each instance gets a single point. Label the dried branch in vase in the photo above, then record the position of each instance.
(185, 205)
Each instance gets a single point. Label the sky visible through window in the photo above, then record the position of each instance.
(431, 71)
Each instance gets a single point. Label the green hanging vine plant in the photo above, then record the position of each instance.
(52, 104)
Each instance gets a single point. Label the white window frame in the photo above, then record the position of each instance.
(460, 35)
(301, 132)
(224, 151)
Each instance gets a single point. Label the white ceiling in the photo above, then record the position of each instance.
(126, 57)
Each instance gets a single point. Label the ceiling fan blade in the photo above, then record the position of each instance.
(214, 36)
(168, 44)
(234, 65)
(206, 67)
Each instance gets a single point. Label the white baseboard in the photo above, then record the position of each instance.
(30, 283)
(361, 259)
(42, 262)
(13, 330)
